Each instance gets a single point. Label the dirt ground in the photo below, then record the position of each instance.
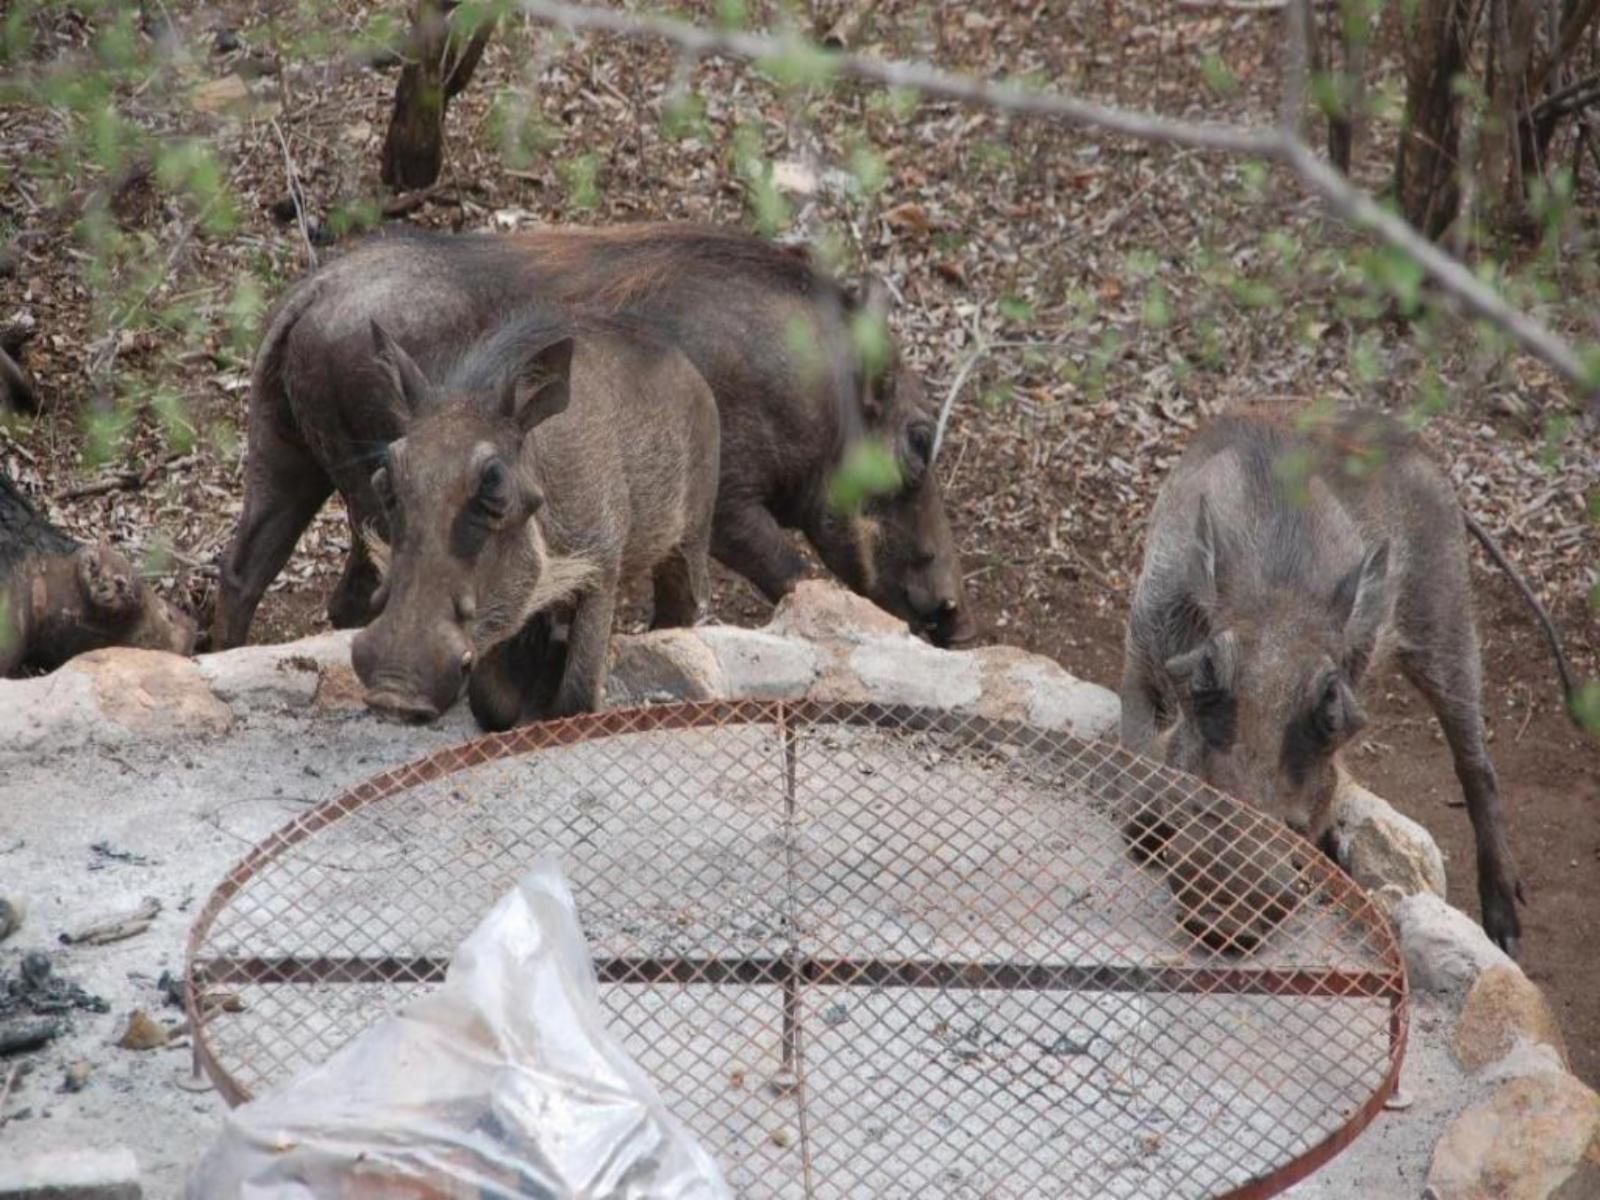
(1109, 296)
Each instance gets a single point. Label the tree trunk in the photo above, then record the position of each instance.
(1354, 33)
(1426, 164)
(440, 63)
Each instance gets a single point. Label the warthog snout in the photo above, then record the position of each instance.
(419, 682)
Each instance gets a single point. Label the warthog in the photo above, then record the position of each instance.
(59, 598)
(1281, 567)
(770, 334)
(505, 501)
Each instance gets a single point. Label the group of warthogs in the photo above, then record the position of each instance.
(519, 424)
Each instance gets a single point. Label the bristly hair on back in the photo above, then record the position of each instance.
(622, 264)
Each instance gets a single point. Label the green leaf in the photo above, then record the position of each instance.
(869, 338)
(684, 116)
(1157, 312)
(869, 469)
(1218, 75)
(1015, 308)
(582, 177)
(1585, 705)
(176, 427)
(732, 14)
(869, 168)
(10, 630)
(106, 435)
(993, 399)
(805, 348)
(802, 64)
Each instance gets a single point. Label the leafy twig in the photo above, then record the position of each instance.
(1269, 143)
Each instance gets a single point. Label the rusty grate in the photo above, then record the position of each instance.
(862, 950)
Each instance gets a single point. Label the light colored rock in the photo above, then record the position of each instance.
(151, 692)
(1004, 698)
(902, 670)
(1445, 950)
(664, 665)
(51, 713)
(1529, 1058)
(1522, 1143)
(761, 666)
(1057, 700)
(1503, 1008)
(1384, 847)
(820, 611)
(110, 1174)
(338, 689)
(259, 676)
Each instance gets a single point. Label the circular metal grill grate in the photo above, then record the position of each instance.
(862, 950)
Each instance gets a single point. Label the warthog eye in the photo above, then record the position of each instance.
(493, 497)
(1327, 718)
(1214, 712)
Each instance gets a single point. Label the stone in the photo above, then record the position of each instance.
(761, 666)
(1523, 1143)
(1445, 950)
(1383, 847)
(142, 1032)
(902, 670)
(820, 611)
(1528, 1058)
(1057, 700)
(662, 666)
(153, 692)
(81, 1174)
(261, 677)
(1019, 686)
(53, 712)
(338, 690)
(1503, 1009)
(1584, 1182)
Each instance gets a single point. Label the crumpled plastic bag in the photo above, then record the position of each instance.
(501, 1084)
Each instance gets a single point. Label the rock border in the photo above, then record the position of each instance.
(1523, 1127)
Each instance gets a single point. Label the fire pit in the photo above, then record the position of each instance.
(861, 950)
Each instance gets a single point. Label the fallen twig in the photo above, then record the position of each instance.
(296, 192)
(115, 929)
(979, 349)
(122, 481)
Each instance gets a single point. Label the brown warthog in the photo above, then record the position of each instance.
(1281, 567)
(771, 335)
(503, 502)
(59, 598)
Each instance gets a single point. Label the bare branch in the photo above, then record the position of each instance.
(1447, 272)
(979, 349)
(1297, 20)
(296, 193)
(1263, 7)
(1205, 135)
(1270, 143)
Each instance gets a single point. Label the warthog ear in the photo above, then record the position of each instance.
(540, 388)
(1360, 603)
(408, 385)
(1203, 560)
(1212, 666)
